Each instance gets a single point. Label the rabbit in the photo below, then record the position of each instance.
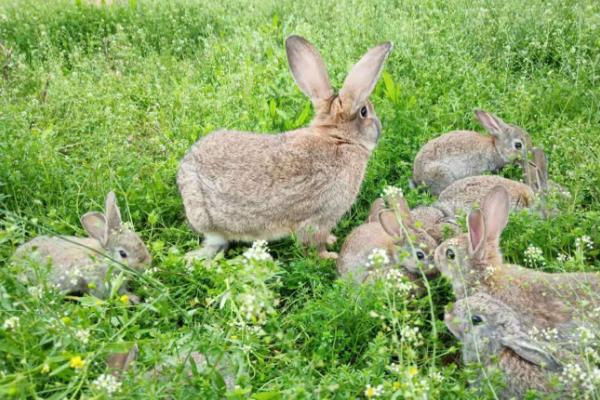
(80, 265)
(247, 186)
(461, 195)
(492, 334)
(473, 262)
(459, 154)
(384, 232)
(191, 361)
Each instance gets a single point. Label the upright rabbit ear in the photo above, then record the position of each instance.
(376, 207)
(94, 224)
(476, 225)
(491, 123)
(113, 215)
(308, 68)
(531, 351)
(362, 78)
(495, 210)
(403, 208)
(541, 166)
(389, 223)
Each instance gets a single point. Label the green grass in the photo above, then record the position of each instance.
(101, 98)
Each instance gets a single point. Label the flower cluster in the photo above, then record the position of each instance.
(583, 243)
(10, 324)
(575, 376)
(396, 279)
(378, 258)
(411, 336)
(107, 383)
(534, 256)
(83, 335)
(258, 252)
(390, 192)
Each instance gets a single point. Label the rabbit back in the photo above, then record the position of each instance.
(248, 186)
(453, 156)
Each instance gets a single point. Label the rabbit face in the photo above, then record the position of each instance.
(450, 257)
(512, 144)
(126, 247)
(417, 256)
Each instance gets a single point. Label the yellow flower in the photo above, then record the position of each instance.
(45, 368)
(76, 362)
(124, 299)
(396, 385)
(66, 320)
(412, 371)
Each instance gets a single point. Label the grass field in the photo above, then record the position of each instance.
(111, 97)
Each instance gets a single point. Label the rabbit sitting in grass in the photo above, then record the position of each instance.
(410, 249)
(492, 334)
(473, 263)
(460, 154)
(247, 186)
(81, 265)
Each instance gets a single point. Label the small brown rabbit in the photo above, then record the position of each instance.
(79, 265)
(248, 186)
(473, 262)
(493, 335)
(386, 234)
(459, 154)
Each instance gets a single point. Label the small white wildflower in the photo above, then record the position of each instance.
(391, 192)
(10, 324)
(258, 252)
(397, 280)
(377, 258)
(436, 376)
(561, 258)
(534, 256)
(107, 383)
(83, 335)
(584, 242)
(35, 291)
(371, 391)
(411, 336)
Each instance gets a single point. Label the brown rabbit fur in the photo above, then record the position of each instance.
(459, 154)
(383, 231)
(473, 262)
(247, 186)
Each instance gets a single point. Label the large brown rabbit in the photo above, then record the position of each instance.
(459, 154)
(247, 186)
(473, 262)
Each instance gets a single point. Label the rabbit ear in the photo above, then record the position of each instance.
(541, 166)
(495, 210)
(530, 351)
(404, 210)
(308, 68)
(377, 206)
(477, 229)
(491, 123)
(389, 223)
(113, 215)
(363, 76)
(94, 224)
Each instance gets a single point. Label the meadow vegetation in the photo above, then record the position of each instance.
(111, 97)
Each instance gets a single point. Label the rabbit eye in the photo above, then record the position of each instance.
(364, 112)
(420, 255)
(476, 320)
(450, 254)
(518, 145)
(122, 253)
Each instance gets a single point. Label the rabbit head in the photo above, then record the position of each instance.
(414, 248)
(350, 109)
(511, 141)
(121, 243)
(486, 326)
(468, 259)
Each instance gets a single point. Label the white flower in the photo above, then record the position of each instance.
(10, 324)
(391, 192)
(258, 252)
(584, 242)
(561, 258)
(395, 278)
(107, 383)
(377, 258)
(83, 335)
(373, 391)
(534, 256)
(35, 291)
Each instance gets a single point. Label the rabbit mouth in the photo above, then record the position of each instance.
(449, 320)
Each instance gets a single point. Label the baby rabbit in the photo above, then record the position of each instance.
(247, 186)
(80, 265)
(382, 231)
(473, 262)
(492, 334)
(459, 154)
